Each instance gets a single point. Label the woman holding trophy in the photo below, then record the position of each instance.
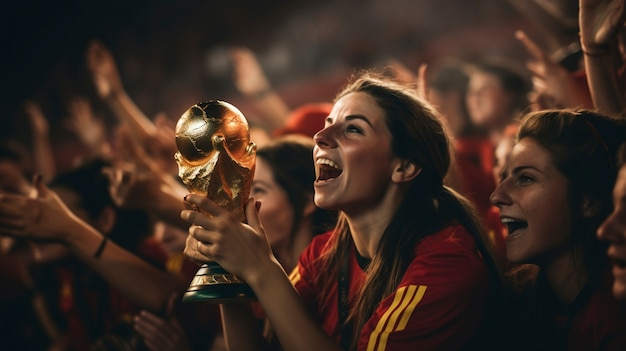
(407, 265)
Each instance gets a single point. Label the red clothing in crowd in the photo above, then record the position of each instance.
(594, 321)
(437, 306)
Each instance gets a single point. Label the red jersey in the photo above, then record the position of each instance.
(474, 161)
(438, 305)
(594, 321)
(600, 324)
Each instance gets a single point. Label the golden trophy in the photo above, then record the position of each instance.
(216, 159)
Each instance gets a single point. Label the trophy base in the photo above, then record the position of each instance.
(214, 284)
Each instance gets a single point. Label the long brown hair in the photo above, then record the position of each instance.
(418, 135)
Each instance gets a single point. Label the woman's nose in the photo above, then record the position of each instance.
(324, 138)
(499, 196)
(613, 229)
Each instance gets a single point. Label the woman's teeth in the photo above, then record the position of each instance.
(327, 169)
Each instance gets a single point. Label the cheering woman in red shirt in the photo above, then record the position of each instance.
(407, 266)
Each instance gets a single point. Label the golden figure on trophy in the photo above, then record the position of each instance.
(216, 159)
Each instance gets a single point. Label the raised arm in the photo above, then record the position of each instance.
(47, 217)
(90, 129)
(600, 22)
(108, 83)
(252, 82)
(42, 147)
(553, 85)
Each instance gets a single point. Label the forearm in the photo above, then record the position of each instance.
(291, 321)
(43, 157)
(241, 329)
(141, 283)
(126, 110)
(168, 209)
(602, 77)
(273, 111)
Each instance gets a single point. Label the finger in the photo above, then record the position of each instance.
(189, 205)
(40, 186)
(202, 235)
(191, 250)
(203, 249)
(205, 204)
(537, 69)
(422, 87)
(153, 333)
(530, 45)
(252, 215)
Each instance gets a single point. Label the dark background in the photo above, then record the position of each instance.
(171, 54)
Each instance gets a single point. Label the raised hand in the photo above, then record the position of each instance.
(103, 69)
(553, 86)
(88, 128)
(600, 21)
(41, 146)
(406, 76)
(162, 333)
(44, 216)
(248, 75)
(38, 122)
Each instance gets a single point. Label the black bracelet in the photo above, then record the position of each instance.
(597, 50)
(103, 243)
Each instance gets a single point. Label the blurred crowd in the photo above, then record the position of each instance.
(93, 249)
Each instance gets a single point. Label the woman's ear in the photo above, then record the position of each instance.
(405, 171)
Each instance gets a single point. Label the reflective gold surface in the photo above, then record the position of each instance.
(215, 155)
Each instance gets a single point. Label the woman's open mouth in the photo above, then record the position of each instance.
(514, 226)
(327, 170)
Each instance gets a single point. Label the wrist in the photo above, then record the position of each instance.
(260, 278)
(260, 94)
(596, 49)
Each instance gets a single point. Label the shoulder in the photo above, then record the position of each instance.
(452, 238)
(309, 261)
(448, 257)
(439, 304)
(603, 319)
(317, 246)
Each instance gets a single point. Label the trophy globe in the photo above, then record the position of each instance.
(216, 159)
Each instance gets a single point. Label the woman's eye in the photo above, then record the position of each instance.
(522, 179)
(354, 129)
(257, 191)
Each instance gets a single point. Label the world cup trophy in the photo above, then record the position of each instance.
(216, 159)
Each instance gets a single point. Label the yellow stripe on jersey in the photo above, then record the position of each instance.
(421, 290)
(294, 276)
(404, 302)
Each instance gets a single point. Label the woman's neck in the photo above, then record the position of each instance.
(566, 276)
(367, 230)
(367, 225)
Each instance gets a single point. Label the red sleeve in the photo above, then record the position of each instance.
(439, 303)
(303, 276)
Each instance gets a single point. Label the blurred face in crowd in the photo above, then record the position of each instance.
(488, 104)
(276, 213)
(613, 230)
(533, 201)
